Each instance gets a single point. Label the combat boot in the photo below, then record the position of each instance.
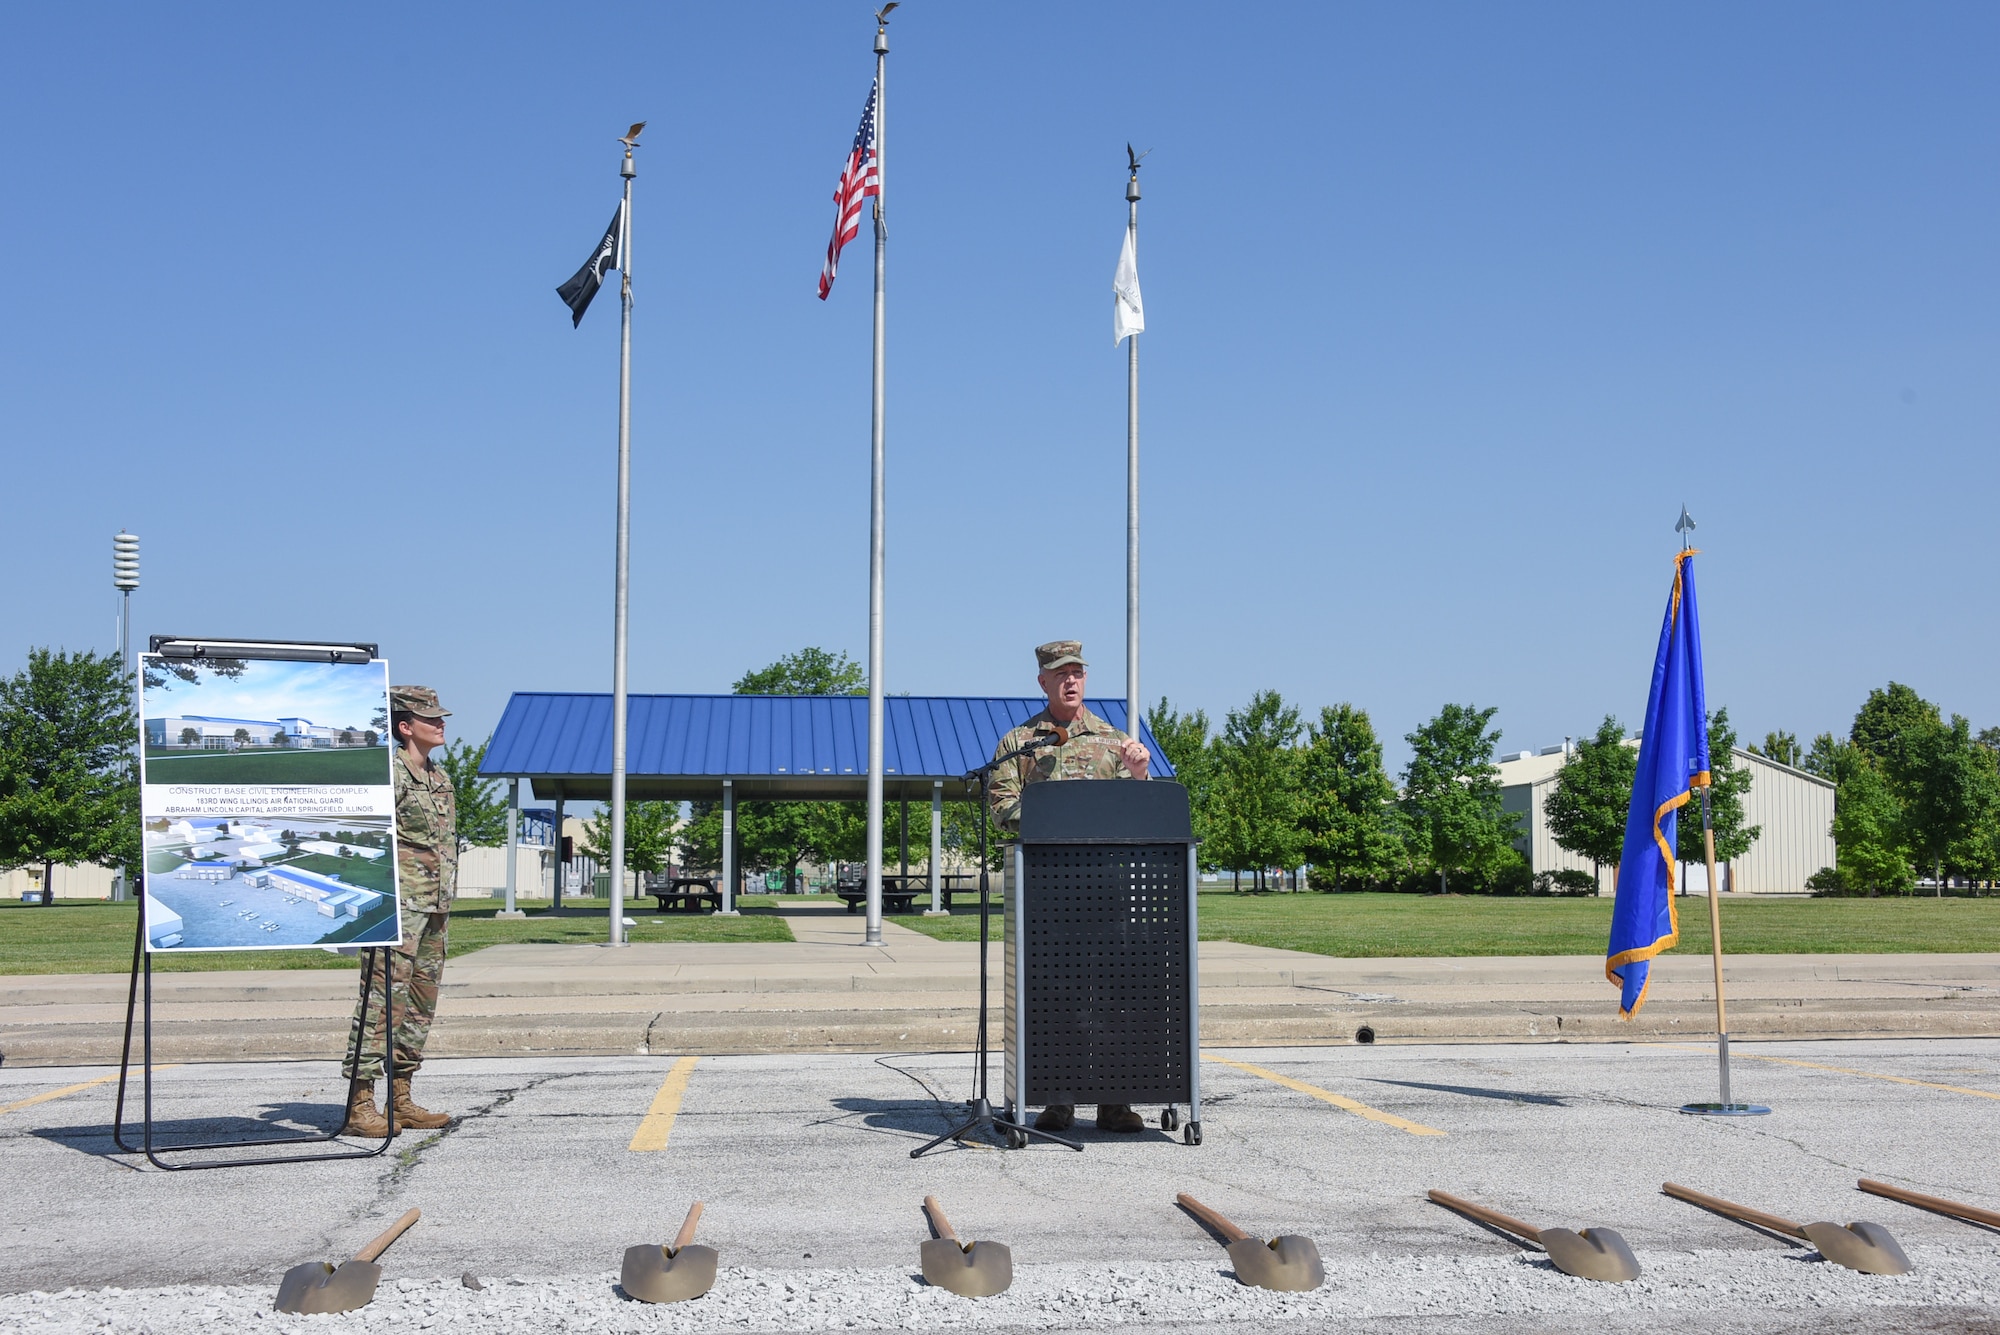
(1056, 1117)
(363, 1118)
(410, 1115)
(1119, 1117)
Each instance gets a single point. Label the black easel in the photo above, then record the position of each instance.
(142, 964)
(1015, 1134)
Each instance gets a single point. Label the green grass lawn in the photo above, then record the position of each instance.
(368, 873)
(357, 764)
(97, 937)
(1373, 925)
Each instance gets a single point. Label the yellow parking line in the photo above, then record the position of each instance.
(1841, 1070)
(659, 1120)
(1337, 1100)
(65, 1091)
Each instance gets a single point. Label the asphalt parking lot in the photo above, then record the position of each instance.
(804, 1164)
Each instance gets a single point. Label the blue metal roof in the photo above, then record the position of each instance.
(798, 746)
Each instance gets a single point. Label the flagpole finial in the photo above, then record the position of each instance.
(882, 27)
(1132, 183)
(631, 141)
(1685, 527)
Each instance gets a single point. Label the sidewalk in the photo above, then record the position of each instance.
(828, 992)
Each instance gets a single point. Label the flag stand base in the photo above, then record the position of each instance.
(1725, 1109)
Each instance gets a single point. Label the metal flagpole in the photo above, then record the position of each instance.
(1727, 1107)
(874, 936)
(1132, 698)
(617, 925)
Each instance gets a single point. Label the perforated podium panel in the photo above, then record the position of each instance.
(1101, 984)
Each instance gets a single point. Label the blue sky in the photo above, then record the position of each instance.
(1451, 307)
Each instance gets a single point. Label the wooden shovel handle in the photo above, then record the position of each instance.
(686, 1235)
(1215, 1219)
(938, 1221)
(387, 1236)
(1777, 1223)
(1518, 1227)
(1938, 1203)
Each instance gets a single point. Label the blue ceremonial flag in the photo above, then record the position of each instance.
(1673, 762)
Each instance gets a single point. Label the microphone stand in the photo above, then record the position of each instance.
(1014, 1134)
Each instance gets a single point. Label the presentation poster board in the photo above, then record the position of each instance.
(268, 804)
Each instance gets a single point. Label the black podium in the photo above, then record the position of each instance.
(1102, 991)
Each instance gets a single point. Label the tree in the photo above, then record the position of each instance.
(1728, 785)
(1886, 719)
(482, 812)
(68, 791)
(1868, 840)
(810, 671)
(1451, 794)
(1253, 819)
(1593, 795)
(1184, 739)
(1951, 794)
(241, 737)
(189, 736)
(649, 836)
(1344, 801)
(1782, 747)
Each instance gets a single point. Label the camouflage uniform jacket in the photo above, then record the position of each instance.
(1092, 752)
(426, 837)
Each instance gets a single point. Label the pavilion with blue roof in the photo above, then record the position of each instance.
(769, 747)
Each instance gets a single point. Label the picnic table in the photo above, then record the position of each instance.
(900, 893)
(689, 893)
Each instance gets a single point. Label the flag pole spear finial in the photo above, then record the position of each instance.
(1685, 528)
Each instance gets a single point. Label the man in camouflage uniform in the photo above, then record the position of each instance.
(427, 876)
(1093, 750)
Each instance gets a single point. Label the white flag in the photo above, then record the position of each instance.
(1128, 313)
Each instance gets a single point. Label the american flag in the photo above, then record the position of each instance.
(858, 180)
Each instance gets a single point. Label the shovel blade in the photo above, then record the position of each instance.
(652, 1274)
(978, 1271)
(1288, 1263)
(318, 1287)
(1595, 1253)
(1865, 1247)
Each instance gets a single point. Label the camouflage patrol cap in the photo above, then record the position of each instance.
(421, 700)
(1058, 652)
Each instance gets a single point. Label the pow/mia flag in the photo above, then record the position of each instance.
(583, 284)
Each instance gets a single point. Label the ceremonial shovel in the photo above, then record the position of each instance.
(318, 1287)
(970, 1270)
(1860, 1246)
(1595, 1253)
(1287, 1263)
(656, 1274)
(1956, 1209)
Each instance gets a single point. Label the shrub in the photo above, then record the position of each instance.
(1567, 881)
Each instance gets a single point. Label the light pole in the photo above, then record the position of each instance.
(125, 578)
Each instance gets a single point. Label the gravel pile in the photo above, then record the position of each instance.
(1679, 1291)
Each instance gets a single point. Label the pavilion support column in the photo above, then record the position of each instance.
(728, 908)
(513, 846)
(936, 910)
(561, 864)
(903, 809)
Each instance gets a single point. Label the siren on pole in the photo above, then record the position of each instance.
(125, 561)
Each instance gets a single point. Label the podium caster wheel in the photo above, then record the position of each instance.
(1017, 1140)
(1170, 1120)
(1191, 1134)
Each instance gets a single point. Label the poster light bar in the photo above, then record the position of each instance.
(298, 651)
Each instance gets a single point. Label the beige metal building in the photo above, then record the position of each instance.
(1794, 808)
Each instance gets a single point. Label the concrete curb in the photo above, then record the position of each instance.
(733, 1032)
